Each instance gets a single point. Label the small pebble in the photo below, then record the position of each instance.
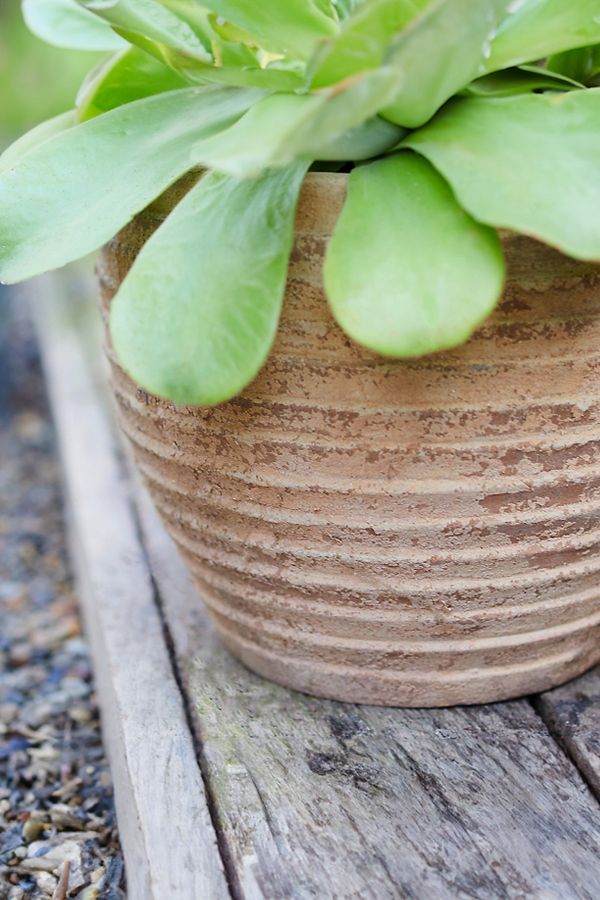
(46, 882)
(62, 818)
(32, 829)
(8, 712)
(81, 714)
(16, 893)
(89, 893)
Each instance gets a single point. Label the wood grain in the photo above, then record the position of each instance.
(317, 799)
(164, 823)
(572, 713)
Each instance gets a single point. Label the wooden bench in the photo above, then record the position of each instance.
(227, 785)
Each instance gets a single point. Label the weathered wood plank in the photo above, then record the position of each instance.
(168, 838)
(314, 798)
(319, 799)
(572, 713)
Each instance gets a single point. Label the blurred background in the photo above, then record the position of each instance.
(36, 81)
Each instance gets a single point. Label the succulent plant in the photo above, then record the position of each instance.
(452, 118)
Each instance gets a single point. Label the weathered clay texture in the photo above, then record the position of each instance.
(415, 534)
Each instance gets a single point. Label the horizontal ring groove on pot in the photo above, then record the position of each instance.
(437, 672)
(164, 417)
(245, 472)
(253, 538)
(355, 684)
(375, 580)
(204, 492)
(301, 349)
(317, 644)
(501, 512)
(540, 448)
(331, 383)
(409, 617)
(415, 533)
(573, 548)
(307, 539)
(328, 622)
(548, 405)
(420, 610)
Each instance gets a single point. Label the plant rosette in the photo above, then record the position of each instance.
(386, 487)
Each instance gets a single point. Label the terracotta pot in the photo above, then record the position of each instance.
(419, 533)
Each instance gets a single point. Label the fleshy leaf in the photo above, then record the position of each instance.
(34, 138)
(156, 26)
(519, 80)
(582, 64)
(408, 271)
(64, 23)
(363, 40)
(285, 127)
(72, 193)
(529, 163)
(438, 54)
(292, 27)
(343, 8)
(268, 79)
(197, 314)
(186, 43)
(196, 16)
(125, 77)
(534, 29)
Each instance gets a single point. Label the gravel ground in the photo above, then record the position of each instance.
(57, 826)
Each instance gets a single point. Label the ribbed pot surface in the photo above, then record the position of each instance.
(417, 533)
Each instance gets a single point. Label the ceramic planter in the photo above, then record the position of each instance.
(407, 533)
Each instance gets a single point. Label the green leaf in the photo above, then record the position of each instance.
(123, 78)
(535, 29)
(231, 34)
(441, 52)
(285, 127)
(366, 141)
(292, 27)
(237, 60)
(34, 138)
(64, 23)
(153, 27)
(183, 43)
(408, 271)
(197, 314)
(269, 79)
(363, 40)
(521, 80)
(529, 163)
(196, 16)
(75, 191)
(582, 64)
(343, 8)
(238, 66)
(342, 109)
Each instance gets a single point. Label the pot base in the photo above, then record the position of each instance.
(403, 688)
